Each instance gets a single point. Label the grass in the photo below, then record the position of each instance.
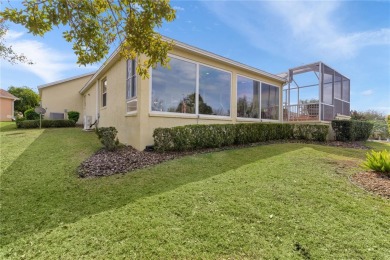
(272, 201)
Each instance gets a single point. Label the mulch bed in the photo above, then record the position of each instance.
(373, 182)
(126, 159)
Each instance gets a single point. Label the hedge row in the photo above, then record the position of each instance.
(45, 123)
(352, 130)
(192, 137)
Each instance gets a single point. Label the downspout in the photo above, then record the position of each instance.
(320, 94)
(97, 104)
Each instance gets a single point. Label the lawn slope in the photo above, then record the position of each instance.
(288, 201)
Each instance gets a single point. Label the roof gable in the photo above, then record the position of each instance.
(6, 94)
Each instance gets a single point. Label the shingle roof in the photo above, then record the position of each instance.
(5, 94)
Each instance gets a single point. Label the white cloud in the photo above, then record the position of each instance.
(178, 8)
(297, 29)
(49, 64)
(367, 92)
(12, 35)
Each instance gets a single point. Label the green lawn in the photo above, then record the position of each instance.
(286, 201)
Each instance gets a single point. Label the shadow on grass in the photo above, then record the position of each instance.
(41, 190)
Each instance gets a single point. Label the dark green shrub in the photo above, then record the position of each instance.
(30, 114)
(311, 132)
(74, 115)
(107, 136)
(352, 130)
(45, 123)
(191, 137)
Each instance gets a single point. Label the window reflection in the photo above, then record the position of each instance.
(269, 102)
(214, 91)
(247, 97)
(173, 90)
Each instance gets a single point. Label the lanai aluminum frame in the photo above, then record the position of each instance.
(329, 93)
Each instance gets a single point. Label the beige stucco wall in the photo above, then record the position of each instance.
(114, 113)
(65, 95)
(152, 120)
(6, 109)
(136, 129)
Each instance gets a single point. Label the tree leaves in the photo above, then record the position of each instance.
(95, 24)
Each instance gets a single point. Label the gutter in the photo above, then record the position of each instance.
(115, 56)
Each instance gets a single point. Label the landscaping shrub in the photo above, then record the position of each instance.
(378, 161)
(30, 114)
(74, 115)
(45, 123)
(192, 137)
(352, 130)
(310, 132)
(107, 136)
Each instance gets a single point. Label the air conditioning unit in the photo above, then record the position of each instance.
(88, 121)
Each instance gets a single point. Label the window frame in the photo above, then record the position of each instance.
(187, 115)
(103, 83)
(279, 105)
(260, 119)
(131, 83)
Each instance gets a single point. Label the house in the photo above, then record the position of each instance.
(199, 88)
(7, 105)
(62, 96)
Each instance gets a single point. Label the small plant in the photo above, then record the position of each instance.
(30, 114)
(107, 136)
(74, 115)
(378, 161)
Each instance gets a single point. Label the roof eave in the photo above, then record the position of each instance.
(64, 80)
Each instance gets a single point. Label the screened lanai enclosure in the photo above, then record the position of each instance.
(315, 92)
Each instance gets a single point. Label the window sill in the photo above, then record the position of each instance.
(103, 108)
(248, 119)
(189, 116)
(211, 117)
(243, 119)
(131, 114)
(172, 115)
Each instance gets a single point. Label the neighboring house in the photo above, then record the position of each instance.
(62, 96)
(7, 105)
(199, 88)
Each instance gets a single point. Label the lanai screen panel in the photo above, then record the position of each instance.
(316, 86)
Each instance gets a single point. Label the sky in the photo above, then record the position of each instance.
(353, 37)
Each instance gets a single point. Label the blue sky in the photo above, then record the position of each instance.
(353, 37)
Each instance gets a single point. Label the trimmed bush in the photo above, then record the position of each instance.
(378, 161)
(74, 115)
(45, 123)
(107, 136)
(352, 130)
(30, 114)
(191, 137)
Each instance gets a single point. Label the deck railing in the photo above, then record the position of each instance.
(301, 112)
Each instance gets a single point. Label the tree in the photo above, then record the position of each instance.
(27, 98)
(388, 125)
(93, 25)
(367, 115)
(6, 52)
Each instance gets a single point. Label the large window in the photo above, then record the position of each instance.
(248, 97)
(131, 86)
(214, 91)
(173, 90)
(104, 92)
(188, 87)
(269, 102)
